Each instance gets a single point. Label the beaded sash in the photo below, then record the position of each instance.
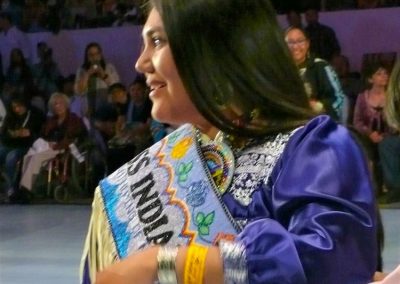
(164, 195)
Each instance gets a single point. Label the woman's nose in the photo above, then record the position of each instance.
(144, 63)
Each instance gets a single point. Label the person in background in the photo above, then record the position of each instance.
(94, 77)
(45, 73)
(271, 193)
(368, 117)
(350, 82)
(389, 147)
(324, 43)
(293, 19)
(320, 80)
(21, 127)
(78, 104)
(59, 131)
(11, 37)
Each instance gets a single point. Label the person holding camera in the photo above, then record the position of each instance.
(94, 77)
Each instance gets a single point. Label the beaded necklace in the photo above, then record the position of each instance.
(219, 159)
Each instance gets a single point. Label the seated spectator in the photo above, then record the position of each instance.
(60, 130)
(350, 82)
(78, 104)
(324, 43)
(94, 77)
(11, 37)
(389, 148)
(320, 80)
(45, 73)
(18, 78)
(368, 115)
(21, 127)
(293, 19)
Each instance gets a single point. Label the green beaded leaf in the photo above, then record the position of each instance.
(173, 137)
(183, 177)
(209, 219)
(200, 218)
(204, 230)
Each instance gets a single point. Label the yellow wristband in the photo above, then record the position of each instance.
(195, 264)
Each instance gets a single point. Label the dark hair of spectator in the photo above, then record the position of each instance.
(291, 28)
(141, 80)
(370, 69)
(116, 86)
(20, 99)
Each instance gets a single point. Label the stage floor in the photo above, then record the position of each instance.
(42, 244)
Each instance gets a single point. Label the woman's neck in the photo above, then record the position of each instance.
(209, 130)
(376, 89)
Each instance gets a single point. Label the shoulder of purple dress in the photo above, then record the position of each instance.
(319, 134)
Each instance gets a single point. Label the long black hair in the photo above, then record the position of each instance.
(231, 55)
(86, 63)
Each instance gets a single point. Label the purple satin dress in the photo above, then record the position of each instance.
(312, 219)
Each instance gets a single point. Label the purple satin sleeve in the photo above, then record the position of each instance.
(319, 213)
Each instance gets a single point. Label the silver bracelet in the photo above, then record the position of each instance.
(233, 255)
(166, 265)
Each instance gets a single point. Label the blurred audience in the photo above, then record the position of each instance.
(351, 85)
(18, 77)
(10, 38)
(46, 74)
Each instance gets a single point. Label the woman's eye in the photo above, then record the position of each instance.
(157, 41)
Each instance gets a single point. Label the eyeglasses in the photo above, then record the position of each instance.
(292, 43)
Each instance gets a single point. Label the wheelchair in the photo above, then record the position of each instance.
(72, 175)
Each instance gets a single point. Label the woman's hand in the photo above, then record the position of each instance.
(97, 71)
(138, 268)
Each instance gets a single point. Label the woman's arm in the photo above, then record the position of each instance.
(142, 268)
(359, 117)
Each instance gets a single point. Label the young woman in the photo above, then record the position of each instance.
(273, 195)
(320, 80)
(94, 77)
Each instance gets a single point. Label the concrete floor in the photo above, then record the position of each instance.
(42, 244)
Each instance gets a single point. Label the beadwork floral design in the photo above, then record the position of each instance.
(184, 170)
(196, 194)
(173, 137)
(180, 149)
(204, 222)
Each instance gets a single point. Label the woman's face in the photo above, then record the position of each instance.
(94, 55)
(298, 45)
(171, 103)
(380, 78)
(18, 109)
(59, 106)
